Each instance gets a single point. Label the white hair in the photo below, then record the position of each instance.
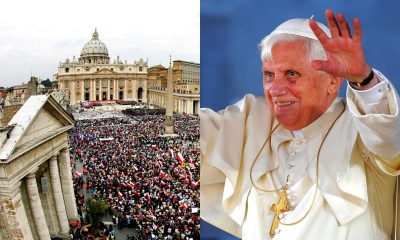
(314, 48)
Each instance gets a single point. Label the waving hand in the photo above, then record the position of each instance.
(344, 51)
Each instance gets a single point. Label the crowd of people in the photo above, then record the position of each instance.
(144, 111)
(97, 115)
(124, 102)
(150, 181)
(103, 231)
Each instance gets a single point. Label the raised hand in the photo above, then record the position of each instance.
(344, 51)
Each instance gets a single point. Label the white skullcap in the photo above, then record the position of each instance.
(299, 27)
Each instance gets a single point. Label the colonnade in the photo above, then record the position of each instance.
(111, 88)
(62, 193)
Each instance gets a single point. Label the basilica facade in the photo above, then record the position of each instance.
(94, 77)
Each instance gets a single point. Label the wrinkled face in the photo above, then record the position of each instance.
(296, 93)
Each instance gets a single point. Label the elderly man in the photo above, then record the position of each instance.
(302, 163)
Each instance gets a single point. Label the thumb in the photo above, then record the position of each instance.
(322, 66)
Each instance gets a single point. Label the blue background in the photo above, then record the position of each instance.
(231, 30)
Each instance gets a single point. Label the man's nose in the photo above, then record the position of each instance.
(278, 89)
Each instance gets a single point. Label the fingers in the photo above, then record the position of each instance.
(332, 23)
(319, 33)
(357, 30)
(344, 26)
(339, 26)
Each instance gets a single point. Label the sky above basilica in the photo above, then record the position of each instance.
(35, 36)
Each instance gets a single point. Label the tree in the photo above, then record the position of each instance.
(46, 83)
(96, 210)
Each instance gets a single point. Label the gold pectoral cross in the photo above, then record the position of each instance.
(280, 207)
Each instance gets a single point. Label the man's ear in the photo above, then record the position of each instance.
(334, 85)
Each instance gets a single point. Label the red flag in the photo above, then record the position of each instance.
(180, 157)
(170, 152)
(161, 174)
(183, 205)
(119, 194)
(148, 197)
(182, 175)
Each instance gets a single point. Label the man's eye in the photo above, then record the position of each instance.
(292, 73)
(268, 76)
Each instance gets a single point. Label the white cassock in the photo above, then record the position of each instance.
(358, 163)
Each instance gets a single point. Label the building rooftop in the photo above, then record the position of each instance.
(94, 46)
(24, 117)
(9, 112)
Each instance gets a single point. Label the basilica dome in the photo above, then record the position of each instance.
(94, 46)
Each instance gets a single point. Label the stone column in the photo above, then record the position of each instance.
(72, 92)
(94, 89)
(91, 90)
(36, 207)
(134, 89)
(144, 90)
(185, 105)
(100, 90)
(96, 85)
(125, 90)
(108, 89)
(182, 109)
(64, 163)
(169, 123)
(83, 90)
(15, 225)
(190, 106)
(58, 195)
(115, 87)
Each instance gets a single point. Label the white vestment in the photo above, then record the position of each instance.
(357, 164)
